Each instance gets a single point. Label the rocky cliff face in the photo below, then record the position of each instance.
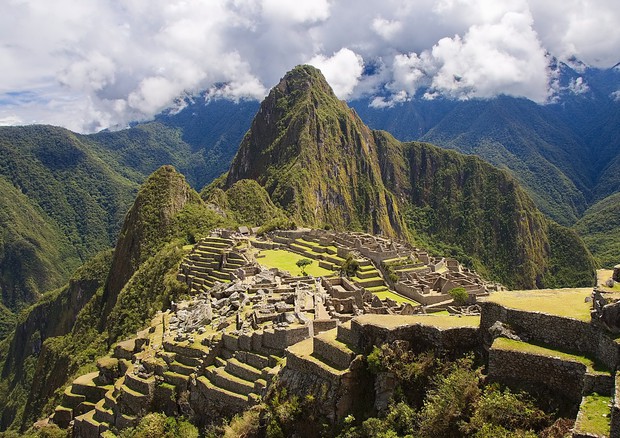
(318, 161)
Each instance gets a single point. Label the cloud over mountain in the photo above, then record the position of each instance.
(96, 64)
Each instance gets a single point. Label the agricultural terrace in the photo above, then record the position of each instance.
(570, 303)
(524, 347)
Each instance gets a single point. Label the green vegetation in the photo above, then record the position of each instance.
(569, 303)
(287, 261)
(395, 297)
(159, 425)
(599, 227)
(302, 264)
(165, 215)
(349, 266)
(248, 202)
(459, 295)
(512, 345)
(594, 415)
(453, 204)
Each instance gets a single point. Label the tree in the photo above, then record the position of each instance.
(302, 263)
(459, 295)
(349, 267)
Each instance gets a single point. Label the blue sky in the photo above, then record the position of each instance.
(89, 65)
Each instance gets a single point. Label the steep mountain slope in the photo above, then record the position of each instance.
(600, 228)
(60, 205)
(318, 161)
(65, 194)
(513, 134)
(200, 140)
(35, 256)
(110, 297)
(316, 158)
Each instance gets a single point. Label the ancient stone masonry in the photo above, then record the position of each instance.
(248, 330)
(384, 263)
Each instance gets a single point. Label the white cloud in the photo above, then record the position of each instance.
(93, 64)
(342, 70)
(298, 11)
(387, 29)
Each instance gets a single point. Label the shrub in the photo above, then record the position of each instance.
(459, 295)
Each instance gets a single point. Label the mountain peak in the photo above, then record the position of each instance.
(302, 79)
(315, 158)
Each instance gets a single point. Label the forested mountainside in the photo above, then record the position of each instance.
(564, 152)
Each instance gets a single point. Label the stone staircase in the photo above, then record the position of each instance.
(212, 260)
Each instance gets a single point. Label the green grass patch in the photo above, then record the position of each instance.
(307, 242)
(569, 303)
(594, 415)
(512, 345)
(286, 260)
(394, 297)
(602, 275)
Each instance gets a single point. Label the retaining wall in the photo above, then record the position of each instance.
(560, 332)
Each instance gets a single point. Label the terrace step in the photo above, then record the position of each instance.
(103, 414)
(82, 408)
(254, 359)
(220, 275)
(110, 400)
(86, 426)
(330, 350)
(243, 370)
(62, 416)
(300, 357)
(176, 379)
(138, 384)
(179, 368)
(215, 392)
(124, 421)
(133, 402)
(227, 381)
(367, 274)
(193, 362)
(85, 385)
(345, 334)
(72, 400)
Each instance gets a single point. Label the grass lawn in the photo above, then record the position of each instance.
(285, 260)
(512, 345)
(561, 302)
(439, 321)
(395, 297)
(594, 415)
(602, 275)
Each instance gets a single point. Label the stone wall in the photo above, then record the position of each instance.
(548, 376)
(563, 333)
(411, 291)
(615, 410)
(420, 337)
